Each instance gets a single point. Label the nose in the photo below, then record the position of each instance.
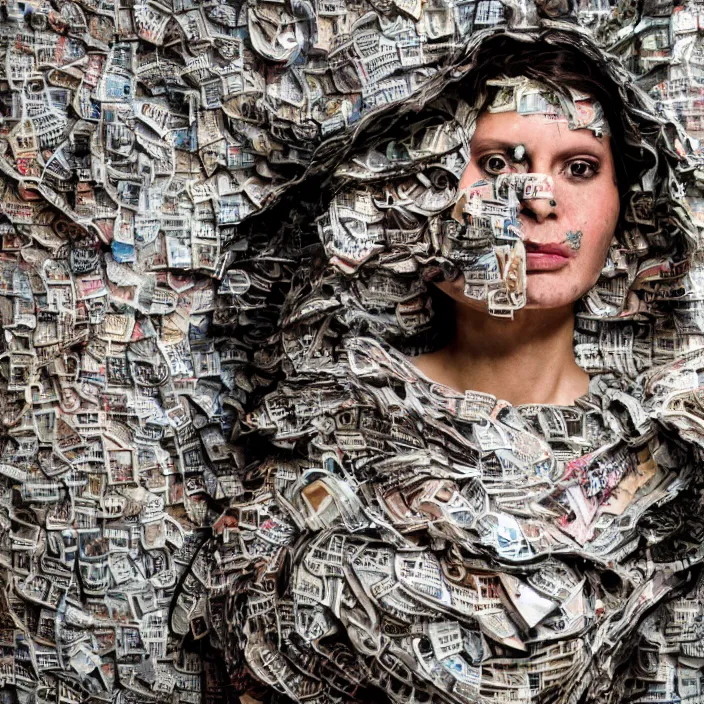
(538, 209)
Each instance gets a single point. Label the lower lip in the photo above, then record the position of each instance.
(537, 261)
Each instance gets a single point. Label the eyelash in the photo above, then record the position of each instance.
(593, 165)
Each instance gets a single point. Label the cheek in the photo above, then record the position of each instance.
(595, 212)
(600, 228)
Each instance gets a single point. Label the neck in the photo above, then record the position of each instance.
(526, 360)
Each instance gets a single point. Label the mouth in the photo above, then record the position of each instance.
(546, 257)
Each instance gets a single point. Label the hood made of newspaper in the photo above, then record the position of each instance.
(213, 451)
(395, 535)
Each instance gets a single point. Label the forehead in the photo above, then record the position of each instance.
(527, 97)
(534, 129)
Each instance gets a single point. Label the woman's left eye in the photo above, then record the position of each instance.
(582, 169)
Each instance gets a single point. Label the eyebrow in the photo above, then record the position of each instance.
(508, 146)
(492, 143)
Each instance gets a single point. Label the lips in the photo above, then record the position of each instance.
(547, 257)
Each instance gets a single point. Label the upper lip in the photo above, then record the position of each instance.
(561, 250)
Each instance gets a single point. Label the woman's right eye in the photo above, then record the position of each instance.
(494, 164)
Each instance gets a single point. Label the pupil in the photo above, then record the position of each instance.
(496, 163)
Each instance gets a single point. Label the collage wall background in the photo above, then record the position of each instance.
(151, 154)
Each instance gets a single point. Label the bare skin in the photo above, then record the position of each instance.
(531, 359)
(525, 360)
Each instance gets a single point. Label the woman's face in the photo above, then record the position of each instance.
(566, 243)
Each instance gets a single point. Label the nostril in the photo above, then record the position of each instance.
(528, 212)
(538, 210)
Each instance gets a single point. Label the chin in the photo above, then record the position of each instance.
(551, 297)
(543, 292)
(550, 291)
(547, 304)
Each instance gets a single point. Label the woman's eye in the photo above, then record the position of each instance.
(494, 164)
(582, 169)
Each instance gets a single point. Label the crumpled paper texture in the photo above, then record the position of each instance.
(217, 473)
